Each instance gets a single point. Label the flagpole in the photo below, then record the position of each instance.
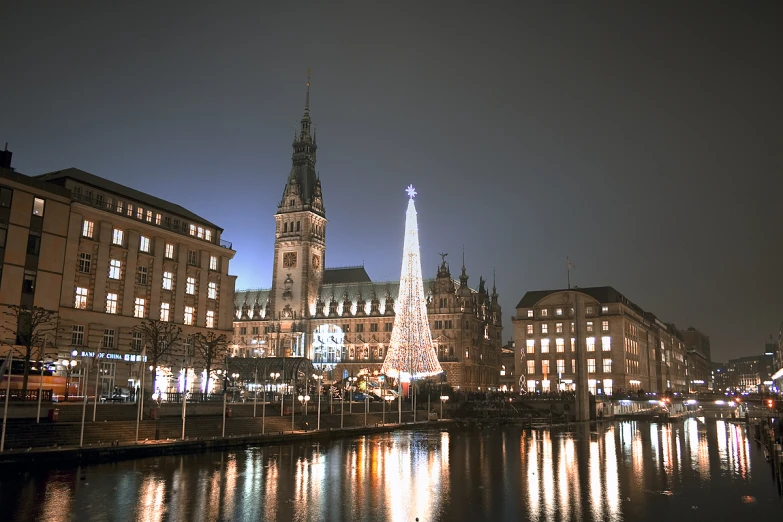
(97, 379)
(568, 269)
(40, 386)
(10, 362)
(84, 408)
(140, 397)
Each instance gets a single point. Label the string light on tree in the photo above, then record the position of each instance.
(411, 352)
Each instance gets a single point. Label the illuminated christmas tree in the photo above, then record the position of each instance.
(411, 352)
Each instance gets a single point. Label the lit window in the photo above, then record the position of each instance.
(117, 236)
(210, 319)
(590, 365)
(119, 206)
(604, 309)
(544, 328)
(545, 366)
(589, 326)
(559, 328)
(543, 312)
(561, 366)
(531, 367)
(573, 365)
(190, 286)
(138, 309)
(139, 213)
(38, 207)
(559, 311)
(192, 230)
(591, 344)
(141, 275)
(589, 310)
(608, 386)
(530, 329)
(213, 263)
(114, 269)
(87, 228)
(604, 326)
(85, 262)
(573, 344)
(189, 315)
(606, 343)
(544, 345)
(111, 303)
(130, 209)
(81, 298)
(157, 219)
(560, 343)
(200, 232)
(212, 292)
(208, 235)
(531, 346)
(169, 251)
(164, 311)
(530, 313)
(167, 277)
(607, 366)
(144, 244)
(149, 216)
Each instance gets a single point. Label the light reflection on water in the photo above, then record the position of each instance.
(623, 471)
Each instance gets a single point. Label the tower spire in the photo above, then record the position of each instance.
(307, 97)
(304, 133)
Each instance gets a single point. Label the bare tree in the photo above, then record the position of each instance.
(158, 338)
(30, 327)
(210, 349)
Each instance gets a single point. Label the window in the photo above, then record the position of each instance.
(167, 276)
(130, 209)
(210, 319)
(558, 311)
(136, 342)
(373, 327)
(114, 269)
(544, 328)
(604, 309)
(448, 325)
(387, 327)
(360, 328)
(559, 328)
(3, 235)
(144, 244)
(190, 286)
(28, 284)
(192, 230)
(544, 345)
(85, 262)
(530, 313)
(530, 329)
(117, 237)
(545, 366)
(590, 365)
(560, 345)
(138, 309)
(167, 221)
(149, 216)
(589, 310)
(604, 326)
(164, 312)
(213, 263)
(34, 243)
(111, 303)
(189, 315)
(169, 254)
(38, 207)
(531, 367)
(87, 228)
(212, 293)
(591, 344)
(573, 344)
(81, 298)
(589, 326)
(543, 312)
(561, 366)
(573, 365)
(607, 366)
(139, 212)
(5, 197)
(99, 200)
(608, 386)
(77, 335)
(200, 232)
(208, 235)
(175, 226)
(606, 343)
(242, 330)
(108, 338)
(531, 346)
(192, 257)
(120, 205)
(141, 275)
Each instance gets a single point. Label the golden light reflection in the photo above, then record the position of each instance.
(57, 502)
(271, 484)
(533, 490)
(720, 427)
(548, 478)
(594, 465)
(612, 479)
(151, 505)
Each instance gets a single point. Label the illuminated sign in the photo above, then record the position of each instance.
(127, 357)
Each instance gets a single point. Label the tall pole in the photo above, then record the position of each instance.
(318, 424)
(40, 393)
(568, 269)
(582, 391)
(223, 432)
(184, 399)
(140, 400)
(7, 394)
(342, 408)
(366, 406)
(293, 402)
(255, 391)
(263, 410)
(84, 409)
(399, 399)
(97, 380)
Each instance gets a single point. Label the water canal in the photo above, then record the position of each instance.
(694, 470)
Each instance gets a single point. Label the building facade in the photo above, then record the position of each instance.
(338, 317)
(699, 359)
(624, 348)
(752, 374)
(110, 258)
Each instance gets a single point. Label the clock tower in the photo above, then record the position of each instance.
(300, 237)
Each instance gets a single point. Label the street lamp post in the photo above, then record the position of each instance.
(351, 381)
(304, 400)
(235, 377)
(68, 365)
(255, 391)
(318, 391)
(443, 398)
(274, 376)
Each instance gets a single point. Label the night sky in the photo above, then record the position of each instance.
(645, 142)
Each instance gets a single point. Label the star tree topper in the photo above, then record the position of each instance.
(411, 191)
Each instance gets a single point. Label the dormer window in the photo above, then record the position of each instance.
(291, 203)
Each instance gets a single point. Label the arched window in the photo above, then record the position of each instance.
(297, 226)
(285, 227)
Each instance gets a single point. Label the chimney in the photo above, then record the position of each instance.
(5, 158)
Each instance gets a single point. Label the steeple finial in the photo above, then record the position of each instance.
(463, 259)
(307, 98)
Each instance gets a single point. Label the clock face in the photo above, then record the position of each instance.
(316, 262)
(289, 259)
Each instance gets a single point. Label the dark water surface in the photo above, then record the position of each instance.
(622, 471)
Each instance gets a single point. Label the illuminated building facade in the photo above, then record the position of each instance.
(341, 319)
(699, 359)
(626, 349)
